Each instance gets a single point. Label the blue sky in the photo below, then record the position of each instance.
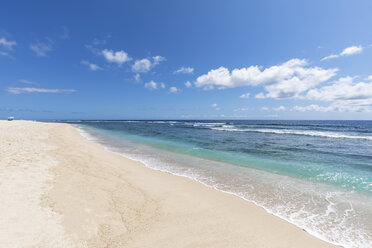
(186, 59)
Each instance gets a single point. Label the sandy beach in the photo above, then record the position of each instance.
(59, 190)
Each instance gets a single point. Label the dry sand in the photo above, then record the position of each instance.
(59, 190)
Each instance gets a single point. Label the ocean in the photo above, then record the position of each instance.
(314, 174)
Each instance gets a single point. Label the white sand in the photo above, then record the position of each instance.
(59, 190)
(24, 176)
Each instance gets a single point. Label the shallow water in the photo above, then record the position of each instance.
(314, 174)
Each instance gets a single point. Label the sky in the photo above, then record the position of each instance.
(186, 59)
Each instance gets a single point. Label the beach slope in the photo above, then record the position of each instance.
(59, 190)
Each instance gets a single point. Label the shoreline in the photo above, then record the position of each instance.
(92, 139)
(106, 199)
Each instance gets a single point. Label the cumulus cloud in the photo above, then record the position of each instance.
(184, 70)
(174, 90)
(158, 59)
(41, 48)
(343, 89)
(91, 66)
(281, 81)
(347, 51)
(246, 95)
(188, 84)
(14, 90)
(151, 85)
(7, 44)
(145, 65)
(345, 95)
(118, 57)
(154, 86)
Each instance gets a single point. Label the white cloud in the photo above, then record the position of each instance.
(215, 106)
(41, 48)
(332, 56)
(334, 107)
(246, 95)
(184, 70)
(154, 86)
(351, 50)
(188, 84)
(260, 96)
(174, 90)
(312, 107)
(277, 109)
(137, 77)
(158, 59)
(92, 67)
(14, 90)
(345, 95)
(4, 54)
(241, 109)
(97, 42)
(24, 81)
(151, 85)
(280, 108)
(7, 44)
(347, 51)
(343, 89)
(143, 65)
(118, 57)
(281, 81)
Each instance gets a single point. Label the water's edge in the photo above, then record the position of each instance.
(89, 137)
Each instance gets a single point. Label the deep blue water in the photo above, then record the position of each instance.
(315, 174)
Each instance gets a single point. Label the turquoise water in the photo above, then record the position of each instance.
(314, 174)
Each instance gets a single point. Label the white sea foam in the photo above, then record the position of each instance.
(231, 128)
(85, 134)
(206, 124)
(162, 122)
